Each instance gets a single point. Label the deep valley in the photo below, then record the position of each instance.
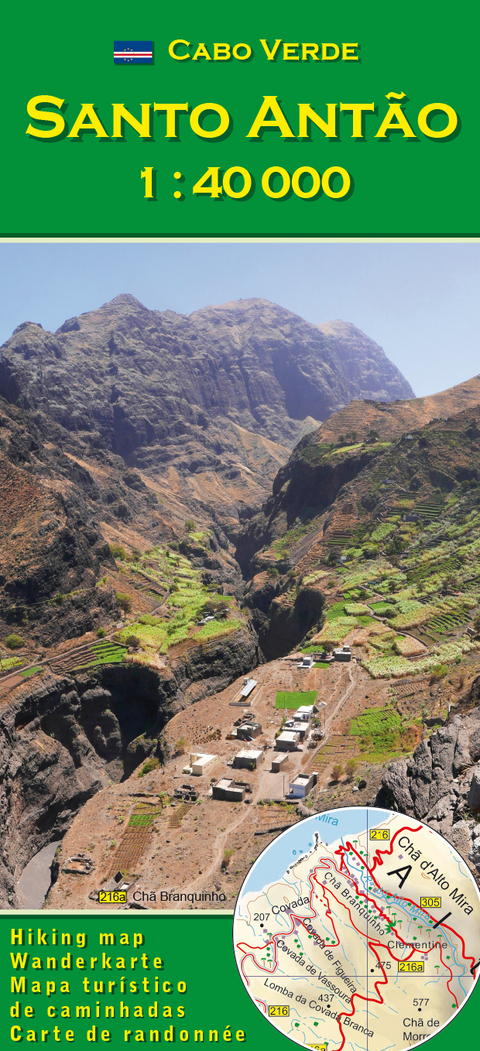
(187, 503)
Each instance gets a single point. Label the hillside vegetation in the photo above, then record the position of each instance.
(387, 530)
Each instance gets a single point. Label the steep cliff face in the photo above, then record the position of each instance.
(66, 738)
(56, 514)
(61, 743)
(440, 783)
(282, 620)
(303, 489)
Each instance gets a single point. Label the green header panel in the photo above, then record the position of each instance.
(407, 163)
(116, 979)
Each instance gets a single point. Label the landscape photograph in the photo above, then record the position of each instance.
(239, 557)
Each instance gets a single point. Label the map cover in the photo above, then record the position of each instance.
(358, 926)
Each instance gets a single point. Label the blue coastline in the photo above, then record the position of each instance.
(298, 840)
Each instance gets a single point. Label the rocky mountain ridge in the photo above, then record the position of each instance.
(207, 405)
(127, 422)
(131, 373)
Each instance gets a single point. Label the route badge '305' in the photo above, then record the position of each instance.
(358, 928)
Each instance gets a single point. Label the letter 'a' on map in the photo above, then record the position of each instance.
(358, 928)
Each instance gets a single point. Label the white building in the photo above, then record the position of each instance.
(297, 726)
(287, 741)
(306, 662)
(305, 712)
(199, 762)
(249, 685)
(302, 784)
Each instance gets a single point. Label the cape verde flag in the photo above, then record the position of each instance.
(138, 52)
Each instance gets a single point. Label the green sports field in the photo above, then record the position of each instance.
(295, 699)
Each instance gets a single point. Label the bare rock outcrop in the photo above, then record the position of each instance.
(440, 784)
(64, 739)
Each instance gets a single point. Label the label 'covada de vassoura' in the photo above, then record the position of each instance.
(358, 929)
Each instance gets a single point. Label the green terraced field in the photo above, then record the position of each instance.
(100, 653)
(29, 672)
(335, 611)
(442, 653)
(378, 731)
(215, 629)
(449, 565)
(335, 630)
(356, 609)
(339, 539)
(143, 820)
(382, 532)
(447, 622)
(314, 453)
(7, 663)
(428, 513)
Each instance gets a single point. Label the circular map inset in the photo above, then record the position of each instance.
(358, 928)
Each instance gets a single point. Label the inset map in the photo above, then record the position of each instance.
(358, 928)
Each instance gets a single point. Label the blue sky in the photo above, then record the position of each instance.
(420, 302)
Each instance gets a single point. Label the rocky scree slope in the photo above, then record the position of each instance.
(58, 513)
(61, 515)
(50, 541)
